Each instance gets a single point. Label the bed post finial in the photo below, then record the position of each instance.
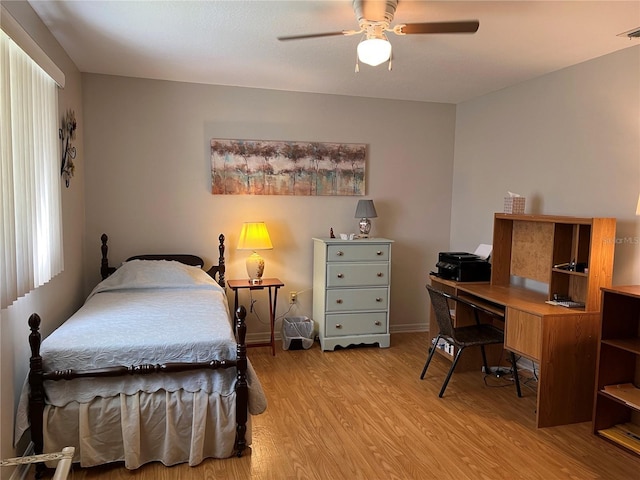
(105, 269)
(104, 264)
(36, 394)
(221, 266)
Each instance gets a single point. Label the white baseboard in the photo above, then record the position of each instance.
(263, 337)
(409, 328)
(21, 471)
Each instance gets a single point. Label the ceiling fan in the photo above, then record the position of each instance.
(374, 19)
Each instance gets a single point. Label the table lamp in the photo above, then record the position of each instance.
(364, 211)
(254, 236)
(638, 207)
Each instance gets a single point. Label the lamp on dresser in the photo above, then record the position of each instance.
(364, 211)
(254, 236)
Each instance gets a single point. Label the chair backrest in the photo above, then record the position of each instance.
(442, 310)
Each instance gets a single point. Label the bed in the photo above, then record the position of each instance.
(150, 368)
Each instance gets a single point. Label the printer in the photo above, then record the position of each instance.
(463, 267)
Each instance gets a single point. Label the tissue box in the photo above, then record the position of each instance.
(514, 205)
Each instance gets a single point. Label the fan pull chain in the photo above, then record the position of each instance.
(390, 59)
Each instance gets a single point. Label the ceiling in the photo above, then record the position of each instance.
(233, 42)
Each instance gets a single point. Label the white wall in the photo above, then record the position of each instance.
(148, 180)
(568, 141)
(61, 296)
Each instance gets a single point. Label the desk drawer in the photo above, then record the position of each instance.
(355, 324)
(523, 333)
(357, 274)
(341, 300)
(357, 253)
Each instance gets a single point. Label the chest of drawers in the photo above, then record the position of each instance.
(351, 282)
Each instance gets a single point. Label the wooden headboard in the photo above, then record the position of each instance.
(216, 272)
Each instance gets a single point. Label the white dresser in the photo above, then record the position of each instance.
(351, 282)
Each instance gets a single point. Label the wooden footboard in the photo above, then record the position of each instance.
(37, 377)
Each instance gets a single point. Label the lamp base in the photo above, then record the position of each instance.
(365, 227)
(255, 268)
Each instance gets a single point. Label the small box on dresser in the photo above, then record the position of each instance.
(351, 291)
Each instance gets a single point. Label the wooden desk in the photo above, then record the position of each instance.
(563, 341)
(272, 284)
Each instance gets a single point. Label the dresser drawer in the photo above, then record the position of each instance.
(357, 253)
(355, 324)
(357, 275)
(341, 300)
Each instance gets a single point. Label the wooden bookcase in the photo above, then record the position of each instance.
(616, 412)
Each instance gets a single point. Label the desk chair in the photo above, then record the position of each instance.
(480, 334)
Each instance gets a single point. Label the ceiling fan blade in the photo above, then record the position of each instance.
(314, 35)
(470, 26)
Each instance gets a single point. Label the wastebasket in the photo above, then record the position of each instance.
(297, 333)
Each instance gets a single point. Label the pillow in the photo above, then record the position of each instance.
(141, 274)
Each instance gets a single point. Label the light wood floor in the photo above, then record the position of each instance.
(363, 413)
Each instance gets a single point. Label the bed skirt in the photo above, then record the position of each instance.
(168, 427)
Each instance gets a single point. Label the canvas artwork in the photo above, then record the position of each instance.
(260, 167)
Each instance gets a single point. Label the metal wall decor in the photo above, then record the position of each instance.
(66, 134)
(260, 167)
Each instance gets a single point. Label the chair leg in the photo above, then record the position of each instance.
(453, 366)
(432, 350)
(515, 374)
(484, 360)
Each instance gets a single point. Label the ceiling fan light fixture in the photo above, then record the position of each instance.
(374, 51)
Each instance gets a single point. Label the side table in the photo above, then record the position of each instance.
(272, 284)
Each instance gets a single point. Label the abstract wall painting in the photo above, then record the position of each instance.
(261, 167)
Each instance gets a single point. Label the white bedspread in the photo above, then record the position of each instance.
(147, 312)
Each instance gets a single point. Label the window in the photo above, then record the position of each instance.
(30, 205)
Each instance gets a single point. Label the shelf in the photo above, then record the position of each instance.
(629, 344)
(626, 393)
(570, 272)
(626, 434)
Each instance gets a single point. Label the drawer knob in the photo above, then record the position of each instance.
(338, 325)
(340, 275)
(378, 299)
(339, 300)
(339, 253)
(378, 253)
(377, 323)
(380, 274)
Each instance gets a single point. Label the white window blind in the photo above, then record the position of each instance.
(30, 211)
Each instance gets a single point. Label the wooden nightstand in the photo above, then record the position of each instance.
(273, 284)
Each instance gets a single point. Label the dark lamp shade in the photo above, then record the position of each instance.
(365, 209)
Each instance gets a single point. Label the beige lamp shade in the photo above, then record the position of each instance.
(638, 207)
(254, 236)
